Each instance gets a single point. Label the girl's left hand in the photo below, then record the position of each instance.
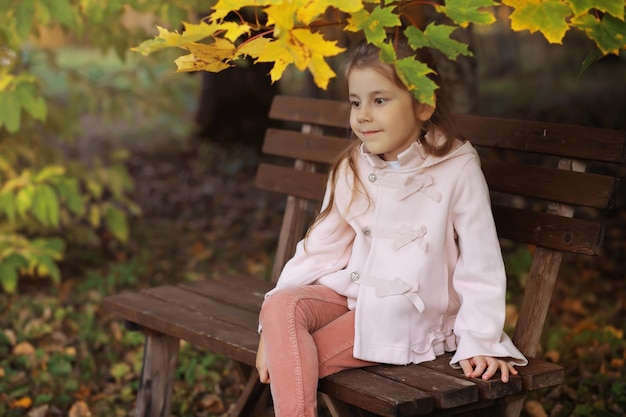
(487, 366)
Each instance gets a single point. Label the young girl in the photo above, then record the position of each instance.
(403, 262)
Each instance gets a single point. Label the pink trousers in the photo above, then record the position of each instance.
(308, 333)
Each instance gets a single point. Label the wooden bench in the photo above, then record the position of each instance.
(538, 177)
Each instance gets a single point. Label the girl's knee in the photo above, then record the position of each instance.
(279, 303)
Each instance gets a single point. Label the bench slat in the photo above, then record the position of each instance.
(310, 110)
(538, 374)
(549, 230)
(563, 140)
(286, 180)
(305, 146)
(555, 232)
(377, 394)
(591, 190)
(569, 187)
(200, 304)
(157, 315)
(239, 290)
(447, 391)
(487, 390)
(587, 143)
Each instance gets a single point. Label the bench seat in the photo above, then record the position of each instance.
(221, 315)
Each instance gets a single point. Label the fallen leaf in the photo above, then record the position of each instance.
(24, 402)
(535, 409)
(79, 409)
(553, 355)
(40, 411)
(210, 403)
(23, 349)
(10, 334)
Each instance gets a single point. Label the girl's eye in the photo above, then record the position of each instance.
(379, 100)
(355, 104)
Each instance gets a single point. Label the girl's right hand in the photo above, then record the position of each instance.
(261, 363)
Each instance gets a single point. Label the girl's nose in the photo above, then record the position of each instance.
(364, 114)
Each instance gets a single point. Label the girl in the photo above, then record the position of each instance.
(403, 262)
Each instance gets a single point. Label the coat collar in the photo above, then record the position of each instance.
(411, 158)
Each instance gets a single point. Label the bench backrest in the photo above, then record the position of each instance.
(537, 174)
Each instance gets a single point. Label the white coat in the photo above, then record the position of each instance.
(419, 262)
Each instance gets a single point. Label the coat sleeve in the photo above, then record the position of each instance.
(479, 277)
(327, 249)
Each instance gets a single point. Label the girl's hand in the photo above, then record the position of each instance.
(487, 366)
(261, 363)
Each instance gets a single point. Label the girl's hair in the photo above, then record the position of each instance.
(365, 55)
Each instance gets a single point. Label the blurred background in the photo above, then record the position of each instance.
(134, 175)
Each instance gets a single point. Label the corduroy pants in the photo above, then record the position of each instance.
(308, 333)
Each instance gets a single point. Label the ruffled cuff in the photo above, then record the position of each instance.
(469, 346)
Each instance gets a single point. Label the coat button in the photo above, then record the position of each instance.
(354, 276)
(372, 177)
(366, 231)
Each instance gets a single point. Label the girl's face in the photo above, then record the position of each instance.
(384, 116)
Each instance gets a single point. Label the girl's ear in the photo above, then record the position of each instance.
(424, 111)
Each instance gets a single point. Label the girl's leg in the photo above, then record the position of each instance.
(289, 317)
(335, 343)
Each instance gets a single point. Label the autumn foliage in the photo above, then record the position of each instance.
(290, 32)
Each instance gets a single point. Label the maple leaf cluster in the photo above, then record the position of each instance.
(291, 32)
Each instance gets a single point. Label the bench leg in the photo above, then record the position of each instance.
(255, 399)
(157, 375)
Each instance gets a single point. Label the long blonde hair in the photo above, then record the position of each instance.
(367, 56)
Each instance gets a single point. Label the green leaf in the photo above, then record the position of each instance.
(387, 53)
(51, 247)
(437, 37)
(61, 11)
(8, 278)
(49, 172)
(9, 271)
(7, 205)
(46, 205)
(545, 16)
(590, 59)
(414, 75)
(119, 370)
(24, 18)
(464, 12)
(95, 188)
(70, 193)
(373, 24)
(612, 7)
(608, 33)
(11, 109)
(24, 199)
(117, 223)
(47, 267)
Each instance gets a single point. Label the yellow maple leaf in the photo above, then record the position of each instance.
(321, 71)
(223, 7)
(234, 30)
(212, 58)
(308, 12)
(305, 44)
(546, 16)
(167, 39)
(282, 16)
(256, 48)
(272, 51)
